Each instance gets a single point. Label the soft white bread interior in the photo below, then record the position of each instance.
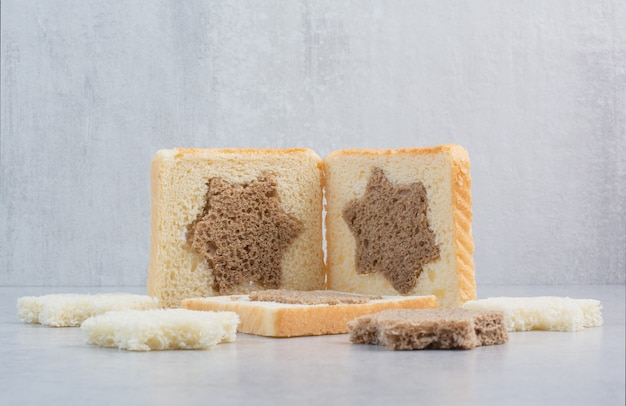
(179, 183)
(70, 310)
(274, 319)
(444, 172)
(543, 312)
(161, 329)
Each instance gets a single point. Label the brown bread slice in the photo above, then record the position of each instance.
(440, 328)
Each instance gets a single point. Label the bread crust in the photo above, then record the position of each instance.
(273, 319)
(462, 202)
(391, 152)
(277, 151)
(154, 284)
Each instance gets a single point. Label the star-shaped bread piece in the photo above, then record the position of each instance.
(243, 232)
(390, 226)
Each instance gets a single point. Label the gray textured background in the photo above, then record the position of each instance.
(535, 90)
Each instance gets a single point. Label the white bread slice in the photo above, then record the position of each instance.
(273, 319)
(543, 312)
(179, 184)
(70, 309)
(160, 329)
(444, 172)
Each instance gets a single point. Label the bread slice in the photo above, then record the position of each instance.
(70, 310)
(429, 328)
(543, 312)
(162, 329)
(276, 319)
(229, 221)
(399, 222)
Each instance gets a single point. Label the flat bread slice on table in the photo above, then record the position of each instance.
(161, 329)
(283, 313)
(543, 312)
(71, 309)
(429, 329)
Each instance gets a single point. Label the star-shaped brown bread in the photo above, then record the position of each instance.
(391, 229)
(243, 232)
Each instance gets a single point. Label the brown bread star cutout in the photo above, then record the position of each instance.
(243, 232)
(391, 230)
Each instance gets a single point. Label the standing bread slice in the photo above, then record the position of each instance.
(399, 222)
(227, 221)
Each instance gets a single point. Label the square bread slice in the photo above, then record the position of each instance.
(399, 222)
(429, 329)
(280, 313)
(229, 221)
(71, 309)
(543, 312)
(160, 329)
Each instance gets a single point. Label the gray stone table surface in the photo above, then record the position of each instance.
(41, 365)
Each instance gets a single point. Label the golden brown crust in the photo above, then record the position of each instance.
(398, 151)
(277, 151)
(155, 219)
(462, 202)
(302, 320)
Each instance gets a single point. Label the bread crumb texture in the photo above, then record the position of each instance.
(402, 329)
(391, 230)
(183, 179)
(243, 233)
(162, 329)
(70, 310)
(543, 312)
(310, 297)
(276, 319)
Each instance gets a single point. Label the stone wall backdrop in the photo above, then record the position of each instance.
(535, 90)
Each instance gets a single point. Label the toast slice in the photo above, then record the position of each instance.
(229, 221)
(306, 313)
(429, 329)
(161, 329)
(399, 222)
(543, 312)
